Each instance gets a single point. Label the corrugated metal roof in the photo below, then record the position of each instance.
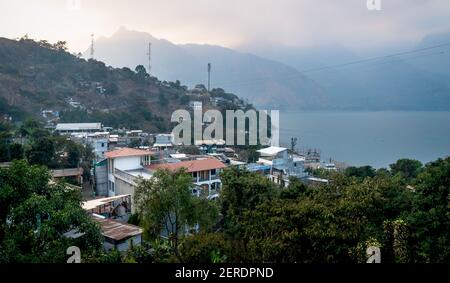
(91, 204)
(118, 231)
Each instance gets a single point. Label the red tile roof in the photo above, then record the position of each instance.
(125, 152)
(191, 166)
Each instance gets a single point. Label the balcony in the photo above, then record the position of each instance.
(127, 177)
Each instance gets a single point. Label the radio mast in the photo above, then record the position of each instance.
(209, 76)
(149, 54)
(92, 46)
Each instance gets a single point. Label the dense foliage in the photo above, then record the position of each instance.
(408, 218)
(35, 214)
(36, 75)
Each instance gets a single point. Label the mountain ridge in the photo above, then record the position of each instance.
(277, 80)
(37, 76)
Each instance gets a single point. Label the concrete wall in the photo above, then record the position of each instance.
(127, 163)
(101, 180)
(124, 245)
(125, 188)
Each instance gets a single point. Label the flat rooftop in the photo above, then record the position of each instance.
(78, 126)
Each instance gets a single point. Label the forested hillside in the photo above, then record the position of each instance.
(37, 76)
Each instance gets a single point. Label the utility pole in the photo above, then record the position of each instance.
(149, 54)
(293, 143)
(92, 46)
(209, 77)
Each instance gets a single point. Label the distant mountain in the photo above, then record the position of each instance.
(261, 81)
(439, 63)
(418, 81)
(287, 77)
(38, 76)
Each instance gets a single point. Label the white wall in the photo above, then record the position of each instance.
(128, 163)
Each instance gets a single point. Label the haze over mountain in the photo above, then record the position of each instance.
(240, 73)
(273, 76)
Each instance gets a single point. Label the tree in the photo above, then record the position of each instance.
(165, 204)
(141, 73)
(73, 155)
(205, 248)
(429, 219)
(242, 191)
(60, 46)
(407, 167)
(296, 189)
(42, 152)
(360, 172)
(16, 151)
(29, 127)
(35, 215)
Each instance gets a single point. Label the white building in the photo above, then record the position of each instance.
(78, 128)
(196, 105)
(124, 166)
(100, 143)
(163, 141)
(282, 164)
(205, 174)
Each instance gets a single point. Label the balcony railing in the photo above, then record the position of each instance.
(125, 176)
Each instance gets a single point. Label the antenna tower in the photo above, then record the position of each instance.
(92, 46)
(149, 54)
(209, 76)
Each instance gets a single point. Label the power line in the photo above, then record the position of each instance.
(298, 73)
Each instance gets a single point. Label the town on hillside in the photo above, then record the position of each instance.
(123, 157)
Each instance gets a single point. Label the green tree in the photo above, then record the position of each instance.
(16, 151)
(242, 191)
(141, 73)
(74, 155)
(429, 219)
(165, 204)
(407, 167)
(41, 152)
(35, 215)
(360, 172)
(205, 248)
(29, 127)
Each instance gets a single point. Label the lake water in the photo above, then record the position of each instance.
(369, 138)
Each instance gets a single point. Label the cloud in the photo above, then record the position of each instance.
(231, 22)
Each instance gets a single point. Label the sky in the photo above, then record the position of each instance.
(230, 23)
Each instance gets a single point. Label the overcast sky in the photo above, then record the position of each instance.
(229, 22)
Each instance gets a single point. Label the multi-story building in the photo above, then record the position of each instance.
(123, 167)
(163, 141)
(205, 174)
(282, 164)
(99, 142)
